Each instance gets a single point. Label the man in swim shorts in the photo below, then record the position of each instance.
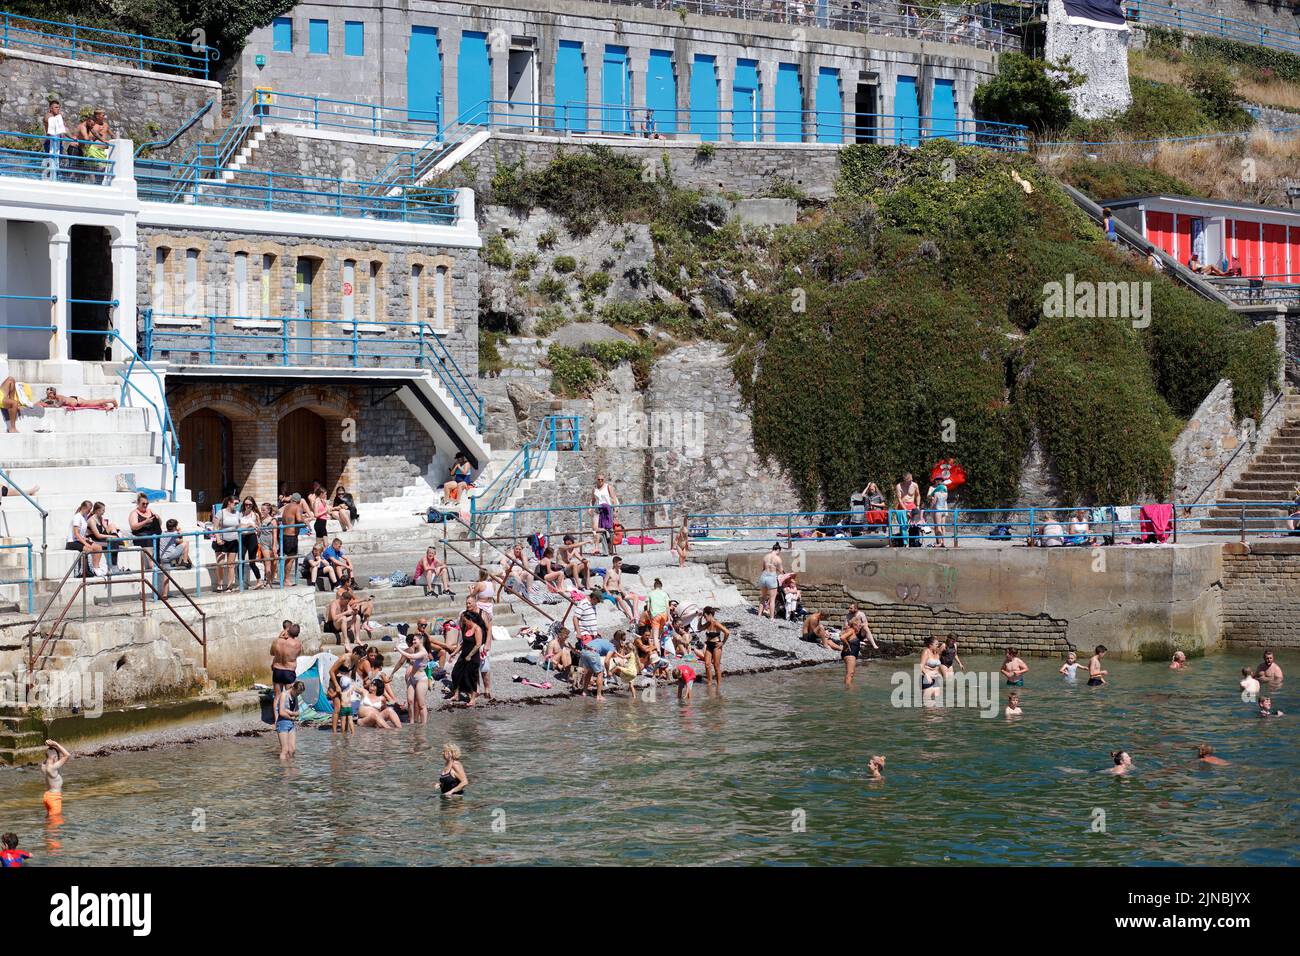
(1014, 669)
(1097, 676)
(1269, 670)
(284, 656)
(56, 755)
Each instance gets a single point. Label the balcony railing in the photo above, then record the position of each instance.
(199, 184)
(55, 159)
(1208, 24)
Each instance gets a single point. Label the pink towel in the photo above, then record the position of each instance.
(1155, 522)
(642, 540)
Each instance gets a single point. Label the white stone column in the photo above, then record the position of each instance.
(725, 65)
(124, 291)
(60, 284)
(767, 70)
(638, 62)
(449, 37)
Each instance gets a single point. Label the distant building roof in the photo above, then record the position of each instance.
(1128, 201)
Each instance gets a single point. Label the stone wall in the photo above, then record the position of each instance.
(141, 106)
(749, 170)
(216, 295)
(1100, 54)
(912, 625)
(391, 449)
(1208, 453)
(1141, 602)
(1261, 594)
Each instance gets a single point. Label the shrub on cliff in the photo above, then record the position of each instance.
(1031, 92)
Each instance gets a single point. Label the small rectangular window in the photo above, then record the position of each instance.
(318, 36)
(349, 290)
(192, 297)
(440, 299)
(268, 263)
(240, 302)
(159, 292)
(354, 38)
(417, 272)
(282, 35)
(372, 312)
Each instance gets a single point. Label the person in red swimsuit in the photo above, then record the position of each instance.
(11, 855)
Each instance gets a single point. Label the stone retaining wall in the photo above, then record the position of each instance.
(1261, 594)
(142, 106)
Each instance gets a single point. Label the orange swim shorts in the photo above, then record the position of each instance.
(53, 803)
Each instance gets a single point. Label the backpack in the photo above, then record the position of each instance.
(537, 543)
(1001, 533)
(400, 579)
(434, 516)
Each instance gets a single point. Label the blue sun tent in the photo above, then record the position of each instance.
(314, 672)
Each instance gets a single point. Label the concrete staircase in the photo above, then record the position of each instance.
(73, 456)
(1272, 475)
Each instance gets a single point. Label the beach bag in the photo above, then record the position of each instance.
(618, 534)
(1000, 533)
(399, 579)
(434, 516)
(605, 517)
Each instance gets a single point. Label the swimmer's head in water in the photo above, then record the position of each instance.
(1071, 657)
(1266, 703)
(1120, 757)
(1013, 700)
(1204, 750)
(1180, 656)
(10, 841)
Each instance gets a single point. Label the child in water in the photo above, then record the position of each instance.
(1179, 662)
(685, 676)
(1266, 708)
(11, 855)
(1249, 685)
(1013, 706)
(1123, 762)
(286, 718)
(875, 765)
(1070, 666)
(1205, 755)
(1097, 676)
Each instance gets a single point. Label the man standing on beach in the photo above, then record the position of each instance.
(769, 580)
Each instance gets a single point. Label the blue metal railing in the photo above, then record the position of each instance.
(33, 156)
(328, 113)
(736, 126)
(30, 580)
(199, 184)
(1009, 525)
(556, 521)
(1209, 24)
(80, 42)
(933, 24)
(178, 132)
(296, 341)
(553, 433)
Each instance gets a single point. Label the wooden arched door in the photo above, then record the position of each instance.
(206, 455)
(301, 450)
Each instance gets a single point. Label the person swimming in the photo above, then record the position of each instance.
(1097, 676)
(1179, 662)
(1266, 708)
(1205, 755)
(1013, 706)
(1070, 667)
(1123, 762)
(875, 765)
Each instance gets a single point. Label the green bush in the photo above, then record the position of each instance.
(1033, 93)
(547, 240)
(497, 253)
(564, 264)
(572, 375)
(596, 283)
(1110, 180)
(553, 289)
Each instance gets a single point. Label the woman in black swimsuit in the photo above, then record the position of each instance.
(452, 780)
(850, 645)
(715, 635)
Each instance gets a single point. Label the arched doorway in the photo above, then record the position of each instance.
(301, 450)
(207, 456)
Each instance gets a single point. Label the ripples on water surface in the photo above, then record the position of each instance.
(721, 781)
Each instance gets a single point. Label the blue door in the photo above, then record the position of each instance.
(745, 102)
(907, 112)
(570, 87)
(830, 106)
(473, 79)
(615, 91)
(789, 104)
(704, 97)
(661, 90)
(424, 78)
(943, 111)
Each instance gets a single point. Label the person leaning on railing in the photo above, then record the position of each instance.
(56, 130)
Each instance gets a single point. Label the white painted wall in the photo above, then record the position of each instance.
(24, 270)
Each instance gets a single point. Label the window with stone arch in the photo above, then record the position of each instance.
(431, 292)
